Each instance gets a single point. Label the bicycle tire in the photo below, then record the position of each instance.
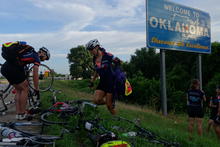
(51, 118)
(46, 77)
(4, 84)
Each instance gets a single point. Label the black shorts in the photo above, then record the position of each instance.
(213, 113)
(14, 73)
(195, 111)
(106, 85)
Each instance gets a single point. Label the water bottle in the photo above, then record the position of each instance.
(10, 133)
(88, 126)
(130, 134)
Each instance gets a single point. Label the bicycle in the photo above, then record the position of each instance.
(101, 130)
(133, 133)
(61, 112)
(73, 116)
(45, 83)
(13, 136)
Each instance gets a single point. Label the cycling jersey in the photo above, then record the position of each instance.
(194, 103)
(30, 57)
(104, 69)
(215, 101)
(195, 97)
(214, 110)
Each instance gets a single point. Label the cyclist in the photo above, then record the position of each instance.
(195, 98)
(216, 119)
(213, 104)
(14, 72)
(103, 68)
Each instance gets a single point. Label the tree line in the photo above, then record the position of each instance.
(143, 71)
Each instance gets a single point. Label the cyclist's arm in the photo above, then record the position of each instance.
(95, 75)
(35, 76)
(218, 107)
(204, 98)
(210, 102)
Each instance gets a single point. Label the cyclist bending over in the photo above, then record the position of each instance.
(103, 68)
(18, 55)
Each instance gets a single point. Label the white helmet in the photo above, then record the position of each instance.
(44, 49)
(92, 44)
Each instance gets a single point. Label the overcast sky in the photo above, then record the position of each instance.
(62, 24)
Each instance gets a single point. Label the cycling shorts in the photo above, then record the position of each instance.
(106, 85)
(213, 113)
(14, 73)
(195, 111)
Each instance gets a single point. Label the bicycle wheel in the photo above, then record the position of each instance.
(45, 77)
(4, 84)
(130, 131)
(66, 112)
(59, 118)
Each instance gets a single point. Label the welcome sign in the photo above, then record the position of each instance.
(177, 27)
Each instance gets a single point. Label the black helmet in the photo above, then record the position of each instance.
(44, 49)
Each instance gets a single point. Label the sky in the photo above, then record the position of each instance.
(59, 25)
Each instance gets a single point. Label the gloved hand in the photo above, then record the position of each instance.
(91, 84)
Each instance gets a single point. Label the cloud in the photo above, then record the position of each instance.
(118, 24)
(75, 16)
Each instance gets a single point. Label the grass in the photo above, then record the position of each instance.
(171, 127)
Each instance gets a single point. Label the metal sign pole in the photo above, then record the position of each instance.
(200, 69)
(163, 93)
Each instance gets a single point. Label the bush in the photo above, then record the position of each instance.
(145, 91)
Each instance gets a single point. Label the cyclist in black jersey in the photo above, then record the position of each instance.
(103, 68)
(195, 98)
(216, 118)
(213, 104)
(14, 72)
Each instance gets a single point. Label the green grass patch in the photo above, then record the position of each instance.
(172, 127)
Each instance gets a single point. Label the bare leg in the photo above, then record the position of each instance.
(17, 101)
(217, 130)
(210, 124)
(21, 96)
(190, 126)
(99, 97)
(109, 103)
(199, 126)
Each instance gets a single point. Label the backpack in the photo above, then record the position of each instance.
(12, 51)
(122, 86)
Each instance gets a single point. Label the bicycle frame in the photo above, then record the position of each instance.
(26, 138)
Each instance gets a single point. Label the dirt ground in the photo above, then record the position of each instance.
(9, 116)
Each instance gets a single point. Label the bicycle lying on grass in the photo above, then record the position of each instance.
(45, 83)
(73, 116)
(13, 135)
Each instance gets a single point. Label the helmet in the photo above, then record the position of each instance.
(92, 44)
(44, 49)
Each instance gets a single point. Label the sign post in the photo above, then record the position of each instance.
(163, 93)
(176, 27)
